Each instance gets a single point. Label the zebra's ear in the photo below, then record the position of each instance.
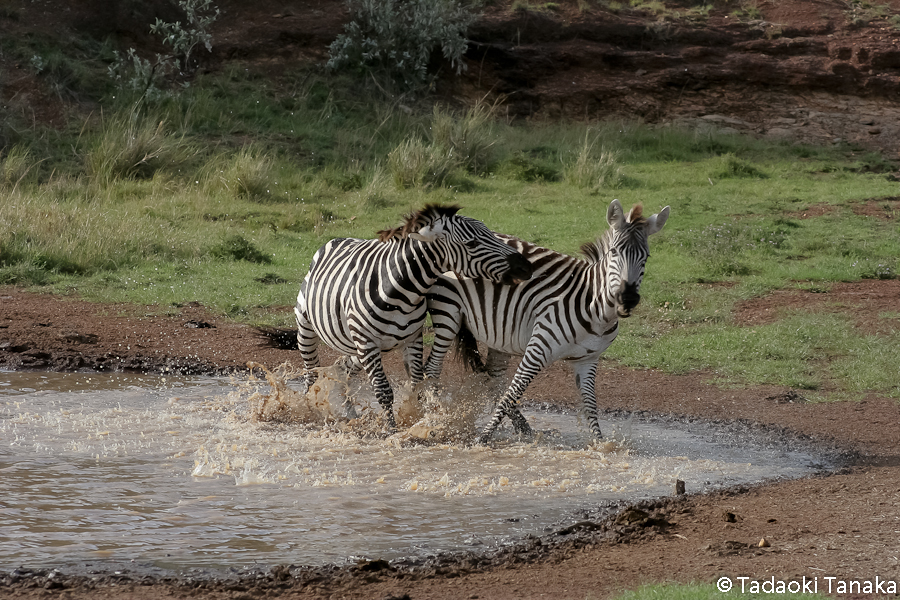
(429, 233)
(656, 222)
(615, 216)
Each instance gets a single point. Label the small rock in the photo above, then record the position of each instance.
(374, 565)
(74, 337)
(779, 132)
(679, 487)
(764, 543)
(874, 130)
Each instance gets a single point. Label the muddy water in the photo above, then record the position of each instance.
(178, 473)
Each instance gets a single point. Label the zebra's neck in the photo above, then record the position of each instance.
(418, 266)
(604, 304)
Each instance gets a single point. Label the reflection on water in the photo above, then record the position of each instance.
(178, 473)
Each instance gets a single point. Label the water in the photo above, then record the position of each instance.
(176, 473)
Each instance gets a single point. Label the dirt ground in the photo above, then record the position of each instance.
(843, 525)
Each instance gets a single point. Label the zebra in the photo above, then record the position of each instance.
(569, 309)
(365, 297)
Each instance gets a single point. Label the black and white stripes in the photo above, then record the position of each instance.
(365, 297)
(568, 310)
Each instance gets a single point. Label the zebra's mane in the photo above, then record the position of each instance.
(417, 220)
(594, 251)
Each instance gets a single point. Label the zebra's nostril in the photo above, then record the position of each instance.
(629, 297)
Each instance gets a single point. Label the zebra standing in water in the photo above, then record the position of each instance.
(569, 310)
(365, 297)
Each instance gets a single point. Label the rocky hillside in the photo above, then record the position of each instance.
(823, 71)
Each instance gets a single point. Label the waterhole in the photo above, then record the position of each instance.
(216, 473)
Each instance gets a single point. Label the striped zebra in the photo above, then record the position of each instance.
(365, 297)
(568, 310)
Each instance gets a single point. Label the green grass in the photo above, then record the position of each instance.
(221, 195)
(699, 591)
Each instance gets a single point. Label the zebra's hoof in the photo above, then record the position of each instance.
(525, 432)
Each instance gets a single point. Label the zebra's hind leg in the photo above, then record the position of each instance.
(412, 360)
(370, 357)
(308, 342)
(351, 366)
(585, 376)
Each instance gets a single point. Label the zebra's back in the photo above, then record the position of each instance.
(504, 317)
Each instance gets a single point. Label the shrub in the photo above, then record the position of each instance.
(394, 39)
(523, 166)
(14, 167)
(469, 139)
(235, 247)
(150, 78)
(416, 164)
(592, 169)
(373, 194)
(133, 147)
(247, 174)
(730, 166)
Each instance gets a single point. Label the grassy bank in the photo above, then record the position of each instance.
(222, 194)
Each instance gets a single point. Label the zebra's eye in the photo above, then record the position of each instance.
(613, 252)
(471, 244)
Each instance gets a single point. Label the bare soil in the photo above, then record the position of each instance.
(797, 70)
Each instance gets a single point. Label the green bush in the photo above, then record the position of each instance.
(235, 247)
(131, 146)
(246, 174)
(523, 166)
(150, 77)
(394, 39)
(730, 166)
(15, 167)
(594, 169)
(416, 164)
(469, 138)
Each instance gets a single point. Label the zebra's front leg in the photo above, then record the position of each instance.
(370, 357)
(533, 362)
(585, 376)
(308, 342)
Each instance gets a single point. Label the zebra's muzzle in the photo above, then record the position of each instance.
(627, 299)
(519, 269)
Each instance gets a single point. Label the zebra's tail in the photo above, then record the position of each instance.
(277, 337)
(467, 350)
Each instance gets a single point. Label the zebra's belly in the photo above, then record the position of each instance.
(511, 342)
(588, 348)
(564, 346)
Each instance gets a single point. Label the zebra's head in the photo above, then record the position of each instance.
(466, 246)
(626, 249)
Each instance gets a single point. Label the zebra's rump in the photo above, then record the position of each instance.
(350, 289)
